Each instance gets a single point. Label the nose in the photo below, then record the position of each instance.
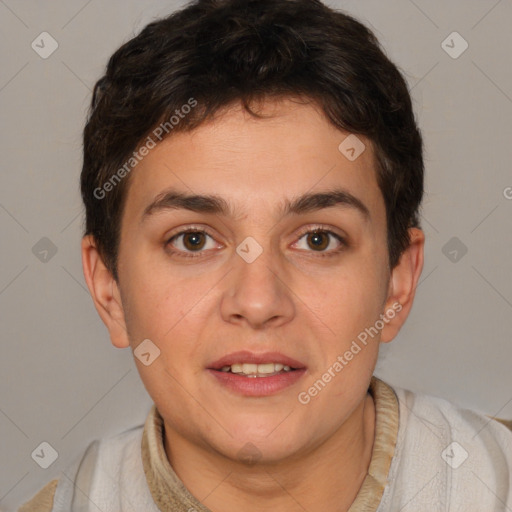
(258, 293)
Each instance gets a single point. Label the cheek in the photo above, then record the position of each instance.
(171, 312)
(354, 297)
(151, 309)
(154, 299)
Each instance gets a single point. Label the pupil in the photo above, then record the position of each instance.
(193, 240)
(316, 238)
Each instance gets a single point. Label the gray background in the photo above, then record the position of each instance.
(62, 382)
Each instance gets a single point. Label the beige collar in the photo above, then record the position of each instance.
(170, 494)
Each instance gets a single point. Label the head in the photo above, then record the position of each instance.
(291, 119)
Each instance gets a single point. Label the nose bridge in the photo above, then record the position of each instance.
(256, 289)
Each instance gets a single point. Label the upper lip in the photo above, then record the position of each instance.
(244, 356)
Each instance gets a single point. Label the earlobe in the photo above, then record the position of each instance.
(104, 292)
(403, 283)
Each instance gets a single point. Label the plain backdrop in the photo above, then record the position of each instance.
(62, 382)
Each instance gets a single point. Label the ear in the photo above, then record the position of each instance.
(402, 285)
(105, 293)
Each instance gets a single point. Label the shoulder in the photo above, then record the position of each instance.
(461, 456)
(442, 415)
(120, 450)
(106, 454)
(43, 500)
(444, 421)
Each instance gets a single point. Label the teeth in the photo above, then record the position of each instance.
(254, 370)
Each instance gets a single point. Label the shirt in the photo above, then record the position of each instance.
(428, 455)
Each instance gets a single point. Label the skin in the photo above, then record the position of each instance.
(291, 299)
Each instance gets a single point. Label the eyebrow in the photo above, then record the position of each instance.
(213, 204)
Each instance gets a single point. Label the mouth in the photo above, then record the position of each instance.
(249, 364)
(257, 370)
(256, 374)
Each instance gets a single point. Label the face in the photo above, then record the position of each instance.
(255, 270)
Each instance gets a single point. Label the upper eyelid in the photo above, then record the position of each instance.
(320, 228)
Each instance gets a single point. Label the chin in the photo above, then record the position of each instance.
(261, 444)
(257, 451)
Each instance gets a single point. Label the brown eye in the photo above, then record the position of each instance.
(318, 240)
(193, 240)
(190, 243)
(322, 241)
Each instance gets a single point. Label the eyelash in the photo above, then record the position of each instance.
(316, 229)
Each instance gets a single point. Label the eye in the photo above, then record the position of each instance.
(190, 241)
(320, 239)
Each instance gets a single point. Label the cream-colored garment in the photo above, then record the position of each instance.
(426, 472)
(448, 459)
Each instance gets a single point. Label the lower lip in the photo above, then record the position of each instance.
(257, 386)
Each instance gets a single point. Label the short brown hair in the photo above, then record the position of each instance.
(218, 52)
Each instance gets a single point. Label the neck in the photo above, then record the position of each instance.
(317, 480)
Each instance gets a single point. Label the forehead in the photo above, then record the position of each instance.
(258, 163)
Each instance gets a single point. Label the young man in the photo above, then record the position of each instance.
(252, 178)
